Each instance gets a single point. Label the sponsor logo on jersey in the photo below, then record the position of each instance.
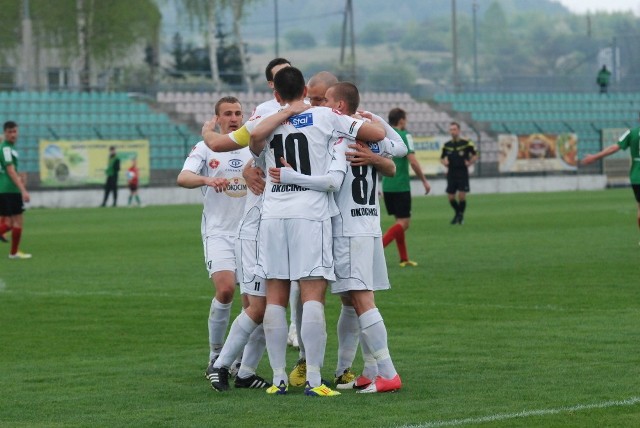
(214, 163)
(301, 120)
(277, 188)
(361, 212)
(374, 146)
(237, 187)
(235, 163)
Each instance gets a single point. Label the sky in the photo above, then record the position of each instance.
(582, 6)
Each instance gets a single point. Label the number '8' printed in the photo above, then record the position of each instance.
(359, 186)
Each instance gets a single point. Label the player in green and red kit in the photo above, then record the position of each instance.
(397, 190)
(629, 140)
(13, 192)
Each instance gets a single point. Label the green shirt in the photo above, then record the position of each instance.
(8, 156)
(631, 140)
(401, 181)
(113, 167)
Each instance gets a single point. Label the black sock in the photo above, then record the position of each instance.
(463, 205)
(455, 206)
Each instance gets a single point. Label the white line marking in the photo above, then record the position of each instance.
(527, 413)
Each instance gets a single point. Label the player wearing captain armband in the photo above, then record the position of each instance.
(219, 175)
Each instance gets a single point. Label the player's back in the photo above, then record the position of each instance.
(358, 203)
(306, 141)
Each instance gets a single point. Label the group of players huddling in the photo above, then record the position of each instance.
(291, 197)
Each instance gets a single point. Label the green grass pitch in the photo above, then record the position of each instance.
(528, 315)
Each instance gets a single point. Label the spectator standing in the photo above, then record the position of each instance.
(603, 78)
(132, 181)
(111, 185)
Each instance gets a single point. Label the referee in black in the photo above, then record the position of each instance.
(457, 156)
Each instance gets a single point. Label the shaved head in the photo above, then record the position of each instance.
(318, 85)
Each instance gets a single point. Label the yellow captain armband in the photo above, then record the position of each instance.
(241, 136)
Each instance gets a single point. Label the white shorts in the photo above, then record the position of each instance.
(219, 253)
(295, 248)
(360, 264)
(246, 257)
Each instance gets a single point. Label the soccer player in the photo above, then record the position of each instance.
(272, 105)
(360, 265)
(457, 156)
(4, 226)
(219, 175)
(317, 87)
(397, 189)
(291, 213)
(13, 192)
(629, 140)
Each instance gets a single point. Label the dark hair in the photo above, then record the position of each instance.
(456, 124)
(347, 92)
(273, 63)
(289, 83)
(230, 100)
(395, 115)
(9, 124)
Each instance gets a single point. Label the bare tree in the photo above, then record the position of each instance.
(237, 7)
(82, 19)
(204, 14)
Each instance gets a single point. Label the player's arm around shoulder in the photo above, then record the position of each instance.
(265, 126)
(360, 154)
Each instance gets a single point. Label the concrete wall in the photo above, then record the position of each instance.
(177, 195)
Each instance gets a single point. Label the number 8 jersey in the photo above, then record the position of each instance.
(307, 142)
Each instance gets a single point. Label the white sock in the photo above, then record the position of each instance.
(374, 333)
(314, 334)
(294, 296)
(348, 338)
(238, 336)
(301, 351)
(275, 332)
(219, 315)
(253, 352)
(370, 370)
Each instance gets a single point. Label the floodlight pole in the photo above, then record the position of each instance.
(454, 32)
(275, 6)
(475, 44)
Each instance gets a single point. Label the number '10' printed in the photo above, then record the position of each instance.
(288, 151)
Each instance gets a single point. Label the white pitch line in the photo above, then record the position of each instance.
(527, 413)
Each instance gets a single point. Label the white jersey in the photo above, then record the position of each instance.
(307, 141)
(222, 211)
(357, 199)
(250, 222)
(266, 108)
